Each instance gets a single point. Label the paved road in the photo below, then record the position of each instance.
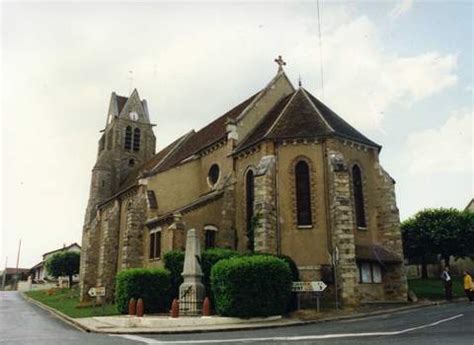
(24, 323)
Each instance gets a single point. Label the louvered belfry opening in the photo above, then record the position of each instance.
(136, 139)
(128, 138)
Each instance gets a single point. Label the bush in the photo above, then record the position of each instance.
(250, 286)
(174, 262)
(151, 285)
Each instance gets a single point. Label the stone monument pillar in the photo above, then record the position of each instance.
(191, 292)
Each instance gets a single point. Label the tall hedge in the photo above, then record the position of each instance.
(151, 285)
(174, 262)
(251, 286)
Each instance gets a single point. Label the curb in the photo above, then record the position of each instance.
(83, 328)
(63, 317)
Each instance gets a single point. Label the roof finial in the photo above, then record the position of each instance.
(299, 81)
(280, 63)
(130, 78)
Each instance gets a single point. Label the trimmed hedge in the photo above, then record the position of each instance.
(174, 262)
(250, 286)
(151, 285)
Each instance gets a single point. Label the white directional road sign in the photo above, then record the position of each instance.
(316, 286)
(96, 291)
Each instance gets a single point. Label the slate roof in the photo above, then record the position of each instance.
(376, 253)
(301, 115)
(121, 102)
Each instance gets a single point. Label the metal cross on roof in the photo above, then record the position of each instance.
(280, 62)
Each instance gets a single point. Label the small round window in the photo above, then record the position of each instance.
(213, 174)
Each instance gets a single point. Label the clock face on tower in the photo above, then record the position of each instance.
(133, 116)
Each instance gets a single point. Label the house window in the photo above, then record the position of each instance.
(210, 236)
(136, 139)
(128, 138)
(155, 244)
(358, 197)
(369, 272)
(303, 194)
(213, 175)
(250, 196)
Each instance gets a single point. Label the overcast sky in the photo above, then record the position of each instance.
(399, 71)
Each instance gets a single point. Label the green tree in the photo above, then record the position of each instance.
(441, 231)
(65, 264)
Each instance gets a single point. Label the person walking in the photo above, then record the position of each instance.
(468, 287)
(448, 284)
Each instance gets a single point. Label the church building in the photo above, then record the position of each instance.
(278, 173)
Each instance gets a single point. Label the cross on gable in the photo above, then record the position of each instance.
(280, 62)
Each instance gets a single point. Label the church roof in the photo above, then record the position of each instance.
(121, 101)
(301, 115)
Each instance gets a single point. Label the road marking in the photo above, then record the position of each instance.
(291, 338)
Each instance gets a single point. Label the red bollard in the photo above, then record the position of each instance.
(132, 307)
(175, 308)
(206, 307)
(140, 307)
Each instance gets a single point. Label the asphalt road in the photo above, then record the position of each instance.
(23, 323)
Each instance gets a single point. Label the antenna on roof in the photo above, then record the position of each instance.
(130, 78)
(320, 49)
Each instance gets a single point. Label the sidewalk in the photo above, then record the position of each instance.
(125, 324)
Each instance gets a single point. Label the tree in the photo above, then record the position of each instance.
(444, 232)
(64, 264)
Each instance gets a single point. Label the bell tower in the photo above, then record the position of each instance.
(127, 141)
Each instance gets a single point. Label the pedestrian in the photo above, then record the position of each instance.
(468, 286)
(447, 283)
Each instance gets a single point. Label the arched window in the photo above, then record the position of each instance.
(250, 197)
(136, 139)
(128, 138)
(210, 236)
(155, 244)
(358, 196)
(303, 194)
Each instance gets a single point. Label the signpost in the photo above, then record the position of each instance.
(95, 292)
(316, 287)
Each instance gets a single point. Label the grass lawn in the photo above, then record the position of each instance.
(66, 300)
(432, 288)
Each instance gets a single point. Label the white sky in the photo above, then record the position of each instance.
(394, 70)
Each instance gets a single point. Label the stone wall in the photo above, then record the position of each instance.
(342, 227)
(89, 255)
(388, 219)
(265, 235)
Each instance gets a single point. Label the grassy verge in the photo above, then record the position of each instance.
(66, 301)
(432, 288)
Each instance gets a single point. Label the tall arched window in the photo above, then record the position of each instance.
(358, 196)
(303, 194)
(250, 197)
(128, 138)
(136, 139)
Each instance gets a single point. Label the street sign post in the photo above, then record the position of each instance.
(98, 291)
(316, 287)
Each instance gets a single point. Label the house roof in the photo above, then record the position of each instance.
(301, 115)
(376, 253)
(63, 248)
(12, 270)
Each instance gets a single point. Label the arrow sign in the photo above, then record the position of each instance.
(316, 286)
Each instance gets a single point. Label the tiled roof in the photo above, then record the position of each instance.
(376, 253)
(301, 115)
(12, 270)
(63, 248)
(121, 102)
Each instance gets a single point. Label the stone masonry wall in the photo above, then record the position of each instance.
(342, 227)
(133, 251)
(265, 206)
(89, 255)
(108, 249)
(388, 219)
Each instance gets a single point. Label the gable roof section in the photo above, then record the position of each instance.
(301, 115)
(121, 102)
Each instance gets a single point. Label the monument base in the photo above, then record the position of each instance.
(191, 297)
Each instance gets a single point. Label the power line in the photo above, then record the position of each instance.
(320, 50)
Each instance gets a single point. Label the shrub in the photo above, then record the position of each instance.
(151, 285)
(249, 286)
(174, 262)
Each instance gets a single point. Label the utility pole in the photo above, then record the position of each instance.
(4, 277)
(17, 262)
